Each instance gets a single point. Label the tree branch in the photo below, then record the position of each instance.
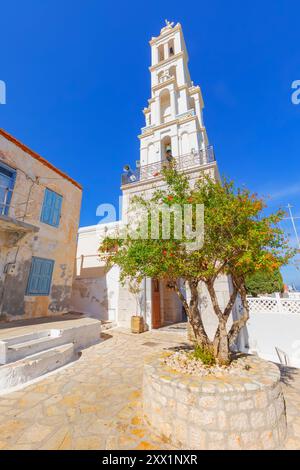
(181, 297)
(213, 296)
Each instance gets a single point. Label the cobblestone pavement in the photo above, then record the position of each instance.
(95, 403)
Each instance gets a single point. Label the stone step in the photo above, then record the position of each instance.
(83, 333)
(27, 348)
(31, 367)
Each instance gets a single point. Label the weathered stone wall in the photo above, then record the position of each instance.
(33, 175)
(244, 411)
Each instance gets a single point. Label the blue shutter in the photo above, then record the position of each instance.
(46, 210)
(56, 210)
(7, 181)
(51, 208)
(40, 276)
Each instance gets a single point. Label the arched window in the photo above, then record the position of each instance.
(166, 147)
(165, 106)
(171, 47)
(185, 143)
(161, 54)
(150, 154)
(160, 76)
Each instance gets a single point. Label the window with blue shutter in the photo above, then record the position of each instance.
(40, 276)
(51, 208)
(7, 181)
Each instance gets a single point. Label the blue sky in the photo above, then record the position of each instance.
(77, 79)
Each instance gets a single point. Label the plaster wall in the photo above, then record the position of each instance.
(267, 331)
(56, 243)
(95, 290)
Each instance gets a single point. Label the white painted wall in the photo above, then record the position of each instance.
(97, 296)
(95, 291)
(267, 331)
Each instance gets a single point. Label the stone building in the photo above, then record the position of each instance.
(39, 216)
(174, 126)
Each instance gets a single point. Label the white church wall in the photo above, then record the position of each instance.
(181, 101)
(180, 74)
(95, 291)
(127, 306)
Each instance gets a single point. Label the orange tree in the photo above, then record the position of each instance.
(238, 241)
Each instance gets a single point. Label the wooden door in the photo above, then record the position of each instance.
(156, 320)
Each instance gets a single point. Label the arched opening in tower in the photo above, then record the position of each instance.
(171, 47)
(172, 71)
(161, 54)
(166, 148)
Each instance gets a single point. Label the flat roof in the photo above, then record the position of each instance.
(38, 157)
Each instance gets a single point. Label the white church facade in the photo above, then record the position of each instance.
(173, 126)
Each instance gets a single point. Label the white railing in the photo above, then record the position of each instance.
(189, 112)
(183, 162)
(273, 305)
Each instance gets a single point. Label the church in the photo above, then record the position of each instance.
(173, 126)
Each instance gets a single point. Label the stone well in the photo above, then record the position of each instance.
(245, 411)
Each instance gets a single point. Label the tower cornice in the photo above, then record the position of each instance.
(164, 84)
(166, 61)
(179, 120)
(165, 34)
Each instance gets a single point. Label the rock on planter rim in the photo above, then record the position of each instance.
(244, 411)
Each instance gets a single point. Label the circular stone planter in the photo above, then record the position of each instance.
(245, 411)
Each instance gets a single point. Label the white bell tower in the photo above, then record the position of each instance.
(173, 117)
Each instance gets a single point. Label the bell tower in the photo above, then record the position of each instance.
(174, 126)
(174, 122)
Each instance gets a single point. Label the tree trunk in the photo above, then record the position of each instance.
(193, 313)
(195, 317)
(241, 322)
(221, 343)
(221, 340)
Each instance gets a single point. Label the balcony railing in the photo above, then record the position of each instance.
(182, 163)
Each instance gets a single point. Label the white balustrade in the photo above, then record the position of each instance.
(273, 305)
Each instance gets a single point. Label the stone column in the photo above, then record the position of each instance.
(198, 110)
(156, 119)
(173, 103)
(166, 51)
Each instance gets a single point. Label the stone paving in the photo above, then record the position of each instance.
(95, 403)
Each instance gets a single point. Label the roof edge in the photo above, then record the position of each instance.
(38, 157)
